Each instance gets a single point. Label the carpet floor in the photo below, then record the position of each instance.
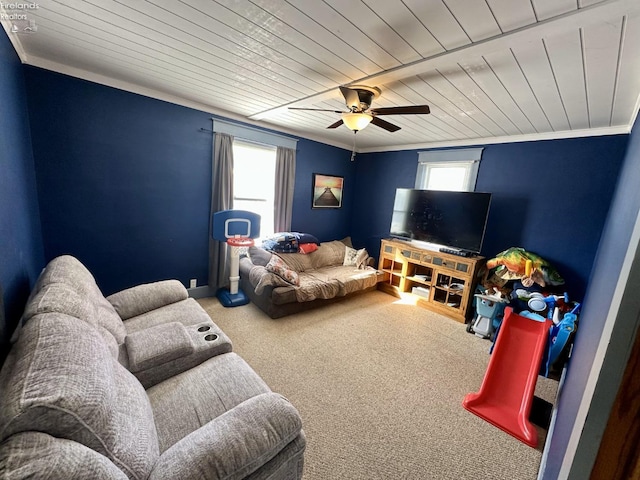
(379, 385)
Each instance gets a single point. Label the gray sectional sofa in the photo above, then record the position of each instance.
(139, 385)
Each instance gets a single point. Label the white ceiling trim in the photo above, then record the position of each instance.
(533, 137)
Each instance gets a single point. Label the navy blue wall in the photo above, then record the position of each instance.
(607, 268)
(21, 257)
(325, 223)
(124, 181)
(549, 197)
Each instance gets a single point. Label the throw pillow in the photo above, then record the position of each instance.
(350, 256)
(306, 238)
(277, 266)
(307, 247)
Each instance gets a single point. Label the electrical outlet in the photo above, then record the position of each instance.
(193, 283)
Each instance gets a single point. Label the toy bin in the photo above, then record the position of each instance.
(489, 312)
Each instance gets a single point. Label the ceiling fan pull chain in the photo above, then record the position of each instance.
(353, 152)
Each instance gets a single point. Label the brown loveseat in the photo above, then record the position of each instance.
(309, 280)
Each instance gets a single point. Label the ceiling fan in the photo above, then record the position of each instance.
(358, 99)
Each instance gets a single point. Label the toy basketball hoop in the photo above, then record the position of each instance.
(236, 243)
(240, 242)
(237, 228)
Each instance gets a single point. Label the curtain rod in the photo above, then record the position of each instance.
(254, 142)
(256, 129)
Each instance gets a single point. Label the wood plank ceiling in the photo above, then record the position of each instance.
(491, 70)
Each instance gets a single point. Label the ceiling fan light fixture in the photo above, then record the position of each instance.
(356, 121)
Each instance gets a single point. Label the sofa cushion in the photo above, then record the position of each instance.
(70, 271)
(350, 278)
(326, 283)
(187, 312)
(38, 455)
(207, 340)
(144, 298)
(237, 443)
(186, 402)
(60, 379)
(62, 298)
(65, 269)
(328, 254)
(157, 345)
(298, 262)
(262, 278)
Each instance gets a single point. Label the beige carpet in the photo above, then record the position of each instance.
(379, 386)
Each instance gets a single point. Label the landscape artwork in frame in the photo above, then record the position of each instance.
(327, 191)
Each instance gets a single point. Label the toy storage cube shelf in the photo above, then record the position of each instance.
(439, 281)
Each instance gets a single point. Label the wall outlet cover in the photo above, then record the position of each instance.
(193, 283)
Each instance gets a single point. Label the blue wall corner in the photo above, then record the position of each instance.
(324, 223)
(599, 299)
(21, 255)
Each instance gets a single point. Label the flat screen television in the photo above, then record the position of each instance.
(455, 220)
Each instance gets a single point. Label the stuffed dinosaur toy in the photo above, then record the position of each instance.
(516, 263)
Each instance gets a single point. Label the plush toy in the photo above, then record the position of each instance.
(516, 263)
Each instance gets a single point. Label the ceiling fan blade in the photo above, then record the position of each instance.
(336, 125)
(351, 97)
(389, 127)
(316, 109)
(408, 110)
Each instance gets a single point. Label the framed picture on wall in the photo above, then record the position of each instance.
(327, 191)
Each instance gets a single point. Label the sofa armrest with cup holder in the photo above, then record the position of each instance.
(157, 353)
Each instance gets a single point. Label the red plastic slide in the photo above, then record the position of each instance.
(506, 393)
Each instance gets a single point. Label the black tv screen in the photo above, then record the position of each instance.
(452, 219)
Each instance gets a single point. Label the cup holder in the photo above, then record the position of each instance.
(211, 337)
(204, 328)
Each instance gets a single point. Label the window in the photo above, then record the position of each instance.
(254, 170)
(453, 170)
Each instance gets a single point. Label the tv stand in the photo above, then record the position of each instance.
(437, 280)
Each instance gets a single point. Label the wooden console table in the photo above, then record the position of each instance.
(441, 282)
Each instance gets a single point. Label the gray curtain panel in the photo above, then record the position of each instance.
(285, 179)
(221, 199)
